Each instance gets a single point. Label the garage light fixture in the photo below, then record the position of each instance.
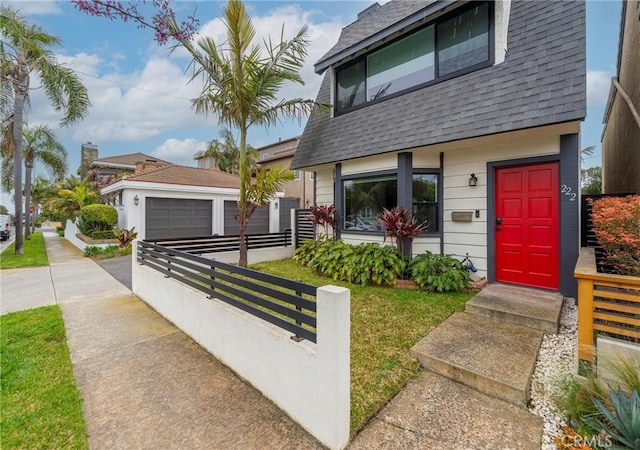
(136, 200)
(473, 180)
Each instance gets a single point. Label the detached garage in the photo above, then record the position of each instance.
(179, 201)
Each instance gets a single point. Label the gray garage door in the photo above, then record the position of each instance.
(173, 217)
(259, 222)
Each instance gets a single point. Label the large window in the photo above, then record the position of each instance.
(364, 198)
(447, 47)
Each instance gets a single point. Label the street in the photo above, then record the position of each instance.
(5, 244)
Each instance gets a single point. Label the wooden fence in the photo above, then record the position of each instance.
(607, 303)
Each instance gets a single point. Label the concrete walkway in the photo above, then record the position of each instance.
(144, 383)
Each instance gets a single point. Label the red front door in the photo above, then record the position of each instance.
(527, 224)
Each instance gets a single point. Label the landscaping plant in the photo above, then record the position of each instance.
(616, 221)
(622, 421)
(440, 273)
(324, 216)
(126, 237)
(400, 226)
(97, 217)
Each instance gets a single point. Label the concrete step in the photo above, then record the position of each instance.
(433, 412)
(491, 356)
(533, 308)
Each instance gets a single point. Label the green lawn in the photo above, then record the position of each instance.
(385, 324)
(41, 406)
(35, 254)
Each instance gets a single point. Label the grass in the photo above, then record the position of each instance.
(385, 324)
(35, 254)
(41, 406)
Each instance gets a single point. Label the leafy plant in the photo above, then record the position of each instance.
(616, 221)
(126, 237)
(97, 217)
(399, 225)
(92, 250)
(324, 216)
(440, 273)
(364, 264)
(99, 235)
(307, 251)
(622, 422)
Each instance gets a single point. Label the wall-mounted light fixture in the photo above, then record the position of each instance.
(275, 204)
(136, 200)
(473, 180)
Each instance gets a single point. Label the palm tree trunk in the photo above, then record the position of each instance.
(242, 203)
(21, 86)
(28, 165)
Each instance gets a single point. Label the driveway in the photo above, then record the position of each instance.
(119, 268)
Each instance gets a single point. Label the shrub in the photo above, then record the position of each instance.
(98, 235)
(441, 273)
(38, 223)
(399, 224)
(365, 264)
(616, 221)
(92, 250)
(306, 252)
(125, 236)
(325, 216)
(97, 217)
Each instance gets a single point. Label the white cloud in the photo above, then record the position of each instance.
(179, 152)
(35, 8)
(598, 84)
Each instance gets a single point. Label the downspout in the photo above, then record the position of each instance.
(627, 99)
(441, 202)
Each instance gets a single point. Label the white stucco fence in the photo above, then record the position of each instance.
(70, 231)
(310, 382)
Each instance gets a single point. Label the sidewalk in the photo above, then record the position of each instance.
(143, 382)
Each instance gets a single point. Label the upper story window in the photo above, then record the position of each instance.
(450, 46)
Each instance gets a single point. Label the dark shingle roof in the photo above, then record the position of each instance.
(379, 24)
(188, 176)
(128, 160)
(541, 82)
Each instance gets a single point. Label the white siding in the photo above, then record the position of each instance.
(371, 164)
(324, 185)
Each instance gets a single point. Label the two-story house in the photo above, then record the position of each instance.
(467, 113)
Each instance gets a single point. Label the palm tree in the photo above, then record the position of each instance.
(40, 144)
(226, 154)
(241, 85)
(27, 49)
(68, 201)
(41, 190)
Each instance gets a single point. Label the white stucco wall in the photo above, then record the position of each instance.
(311, 382)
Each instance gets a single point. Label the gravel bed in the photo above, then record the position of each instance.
(556, 362)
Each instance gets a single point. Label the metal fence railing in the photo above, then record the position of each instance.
(214, 244)
(305, 229)
(285, 303)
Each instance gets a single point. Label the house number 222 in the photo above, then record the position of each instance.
(566, 190)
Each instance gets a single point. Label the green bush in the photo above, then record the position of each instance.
(39, 224)
(97, 217)
(97, 235)
(92, 250)
(440, 273)
(365, 264)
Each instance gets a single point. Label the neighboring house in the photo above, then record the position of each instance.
(116, 166)
(179, 201)
(280, 154)
(468, 113)
(621, 135)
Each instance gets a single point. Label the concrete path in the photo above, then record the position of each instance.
(144, 383)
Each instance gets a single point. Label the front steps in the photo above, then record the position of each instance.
(532, 308)
(488, 355)
(493, 346)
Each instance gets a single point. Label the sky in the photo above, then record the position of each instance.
(140, 91)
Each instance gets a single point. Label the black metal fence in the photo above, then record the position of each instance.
(215, 244)
(305, 229)
(287, 304)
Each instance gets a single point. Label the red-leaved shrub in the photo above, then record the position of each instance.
(325, 216)
(616, 221)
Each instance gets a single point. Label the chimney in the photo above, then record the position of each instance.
(368, 10)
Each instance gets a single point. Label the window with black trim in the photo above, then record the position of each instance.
(450, 46)
(363, 199)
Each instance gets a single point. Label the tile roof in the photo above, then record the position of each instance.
(187, 176)
(541, 82)
(128, 160)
